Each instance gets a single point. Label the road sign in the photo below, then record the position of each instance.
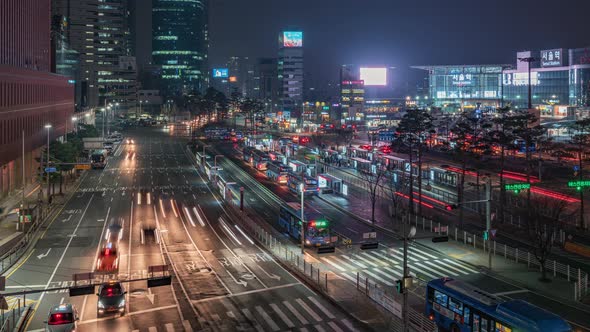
(576, 168)
(25, 218)
(370, 235)
(493, 232)
(516, 187)
(50, 169)
(82, 166)
(579, 184)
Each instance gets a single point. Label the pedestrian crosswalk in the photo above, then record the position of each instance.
(168, 327)
(297, 314)
(386, 265)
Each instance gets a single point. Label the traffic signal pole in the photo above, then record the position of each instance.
(489, 217)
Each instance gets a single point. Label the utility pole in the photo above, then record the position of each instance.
(302, 230)
(489, 218)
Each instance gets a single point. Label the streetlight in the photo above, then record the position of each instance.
(528, 60)
(302, 230)
(215, 159)
(48, 127)
(74, 119)
(103, 110)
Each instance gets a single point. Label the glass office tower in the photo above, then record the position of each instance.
(180, 43)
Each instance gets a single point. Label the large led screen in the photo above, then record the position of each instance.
(293, 39)
(374, 76)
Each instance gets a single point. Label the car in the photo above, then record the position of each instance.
(62, 318)
(130, 141)
(111, 298)
(107, 259)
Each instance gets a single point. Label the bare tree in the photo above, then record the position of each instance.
(374, 181)
(397, 187)
(545, 214)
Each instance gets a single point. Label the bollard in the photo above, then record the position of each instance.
(326, 277)
(311, 270)
(367, 286)
(516, 255)
(528, 258)
(357, 280)
(568, 272)
(304, 265)
(455, 233)
(494, 248)
(318, 276)
(554, 268)
(464, 237)
(297, 261)
(431, 225)
(439, 228)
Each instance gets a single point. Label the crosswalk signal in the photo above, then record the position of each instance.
(486, 235)
(399, 286)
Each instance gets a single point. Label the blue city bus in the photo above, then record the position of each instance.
(460, 307)
(317, 232)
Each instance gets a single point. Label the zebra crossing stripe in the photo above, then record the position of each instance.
(461, 265)
(355, 262)
(341, 261)
(169, 327)
(348, 324)
(295, 313)
(267, 318)
(335, 327)
(250, 317)
(378, 278)
(319, 328)
(349, 277)
(379, 261)
(282, 315)
(322, 308)
(394, 272)
(379, 270)
(303, 329)
(424, 253)
(152, 329)
(308, 310)
(426, 273)
(391, 259)
(448, 267)
(325, 259)
(135, 331)
(416, 256)
(231, 314)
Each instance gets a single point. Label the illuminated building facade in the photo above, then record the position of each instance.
(180, 44)
(290, 73)
(560, 84)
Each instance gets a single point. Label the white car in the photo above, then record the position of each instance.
(62, 318)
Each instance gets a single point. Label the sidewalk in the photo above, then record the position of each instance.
(357, 204)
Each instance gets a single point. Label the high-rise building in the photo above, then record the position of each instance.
(99, 31)
(180, 44)
(290, 72)
(31, 97)
(267, 82)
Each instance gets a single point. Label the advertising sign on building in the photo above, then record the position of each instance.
(552, 58)
(292, 39)
(220, 73)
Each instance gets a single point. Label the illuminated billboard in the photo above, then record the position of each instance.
(220, 72)
(374, 76)
(552, 58)
(292, 39)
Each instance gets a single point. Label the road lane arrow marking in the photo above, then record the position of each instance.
(150, 296)
(44, 255)
(68, 219)
(270, 275)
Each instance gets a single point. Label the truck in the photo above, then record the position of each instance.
(98, 159)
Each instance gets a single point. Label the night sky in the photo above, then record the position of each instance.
(397, 33)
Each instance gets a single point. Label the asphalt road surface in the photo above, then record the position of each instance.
(222, 280)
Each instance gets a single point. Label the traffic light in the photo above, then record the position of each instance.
(486, 235)
(399, 286)
(451, 207)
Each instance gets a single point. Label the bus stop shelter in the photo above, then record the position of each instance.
(329, 184)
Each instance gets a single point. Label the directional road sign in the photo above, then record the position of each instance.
(50, 169)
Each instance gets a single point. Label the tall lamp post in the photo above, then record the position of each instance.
(302, 230)
(74, 120)
(528, 60)
(48, 127)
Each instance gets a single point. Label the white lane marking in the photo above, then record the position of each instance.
(387, 282)
(231, 314)
(355, 262)
(319, 328)
(446, 267)
(50, 280)
(295, 313)
(348, 324)
(437, 274)
(244, 234)
(308, 310)
(424, 253)
(341, 261)
(267, 318)
(413, 253)
(391, 259)
(190, 218)
(251, 318)
(394, 272)
(368, 256)
(61, 301)
(461, 265)
(325, 259)
(335, 327)
(282, 315)
(322, 308)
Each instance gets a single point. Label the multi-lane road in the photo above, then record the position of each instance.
(385, 264)
(222, 281)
